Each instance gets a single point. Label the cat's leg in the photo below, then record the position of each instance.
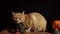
(44, 29)
(35, 29)
(28, 30)
(40, 29)
(30, 25)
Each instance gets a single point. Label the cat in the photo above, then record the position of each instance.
(34, 21)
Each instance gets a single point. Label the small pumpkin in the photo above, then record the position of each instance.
(56, 25)
(17, 33)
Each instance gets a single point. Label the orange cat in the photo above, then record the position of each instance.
(31, 21)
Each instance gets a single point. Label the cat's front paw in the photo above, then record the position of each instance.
(27, 30)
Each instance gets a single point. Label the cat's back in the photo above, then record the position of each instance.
(36, 15)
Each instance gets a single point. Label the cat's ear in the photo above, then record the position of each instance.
(12, 12)
(23, 12)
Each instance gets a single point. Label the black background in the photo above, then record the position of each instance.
(49, 9)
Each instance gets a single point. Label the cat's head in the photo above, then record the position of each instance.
(18, 17)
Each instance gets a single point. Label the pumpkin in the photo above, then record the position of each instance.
(17, 33)
(56, 25)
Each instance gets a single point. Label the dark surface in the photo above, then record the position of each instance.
(49, 9)
(6, 32)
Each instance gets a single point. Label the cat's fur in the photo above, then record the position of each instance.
(33, 21)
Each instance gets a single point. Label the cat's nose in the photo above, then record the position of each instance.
(18, 21)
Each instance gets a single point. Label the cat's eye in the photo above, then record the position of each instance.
(19, 18)
(15, 17)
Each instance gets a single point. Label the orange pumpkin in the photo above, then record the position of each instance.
(56, 25)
